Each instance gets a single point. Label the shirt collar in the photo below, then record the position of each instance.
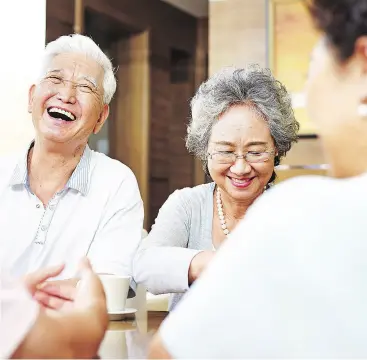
(79, 179)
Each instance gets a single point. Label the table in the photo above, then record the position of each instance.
(130, 338)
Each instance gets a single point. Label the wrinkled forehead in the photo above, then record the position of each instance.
(241, 125)
(76, 66)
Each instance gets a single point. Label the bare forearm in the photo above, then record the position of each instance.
(61, 336)
(157, 349)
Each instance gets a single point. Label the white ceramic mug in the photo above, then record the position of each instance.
(116, 289)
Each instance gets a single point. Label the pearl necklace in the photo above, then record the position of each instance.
(222, 219)
(221, 214)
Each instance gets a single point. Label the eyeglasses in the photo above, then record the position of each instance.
(84, 87)
(227, 157)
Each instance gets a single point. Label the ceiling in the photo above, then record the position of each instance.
(198, 8)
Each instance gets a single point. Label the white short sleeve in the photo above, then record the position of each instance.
(288, 283)
(18, 314)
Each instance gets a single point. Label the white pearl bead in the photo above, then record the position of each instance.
(221, 214)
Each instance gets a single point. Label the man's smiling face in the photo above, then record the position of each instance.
(67, 104)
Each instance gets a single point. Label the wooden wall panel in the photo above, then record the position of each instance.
(59, 18)
(181, 164)
(175, 26)
(129, 133)
(157, 188)
(159, 123)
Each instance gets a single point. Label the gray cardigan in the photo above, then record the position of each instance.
(182, 228)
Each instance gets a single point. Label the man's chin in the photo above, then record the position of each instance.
(56, 139)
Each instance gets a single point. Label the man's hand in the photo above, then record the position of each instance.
(199, 263)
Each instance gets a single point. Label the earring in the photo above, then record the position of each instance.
(362, 110)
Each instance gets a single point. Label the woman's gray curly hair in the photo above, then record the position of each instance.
(252, 85)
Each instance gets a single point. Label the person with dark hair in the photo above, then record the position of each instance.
(242, 124)
(290, 282)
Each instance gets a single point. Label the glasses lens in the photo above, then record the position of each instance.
(224, 158)
(256, 157)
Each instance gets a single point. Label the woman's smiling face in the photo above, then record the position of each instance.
(240, 130)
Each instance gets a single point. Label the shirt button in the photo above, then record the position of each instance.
(38, 206)
(43, 227)
(52, 207)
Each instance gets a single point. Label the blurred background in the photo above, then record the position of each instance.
(162, 50)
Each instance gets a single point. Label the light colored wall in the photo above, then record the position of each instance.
(238, 36)
(237, 33)
(22, 32)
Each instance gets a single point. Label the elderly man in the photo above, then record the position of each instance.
(60, 200)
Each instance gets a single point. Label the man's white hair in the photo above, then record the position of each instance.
(77, 43)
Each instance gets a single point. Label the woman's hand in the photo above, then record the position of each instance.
(55, 295)
(34, 280)
(74, 330)
(198, 264)
(65, 295)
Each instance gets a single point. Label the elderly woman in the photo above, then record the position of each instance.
(242, 125)
(297, 273)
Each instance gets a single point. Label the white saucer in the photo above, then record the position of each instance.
(119, 315)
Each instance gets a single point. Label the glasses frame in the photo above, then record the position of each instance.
(244, 156)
